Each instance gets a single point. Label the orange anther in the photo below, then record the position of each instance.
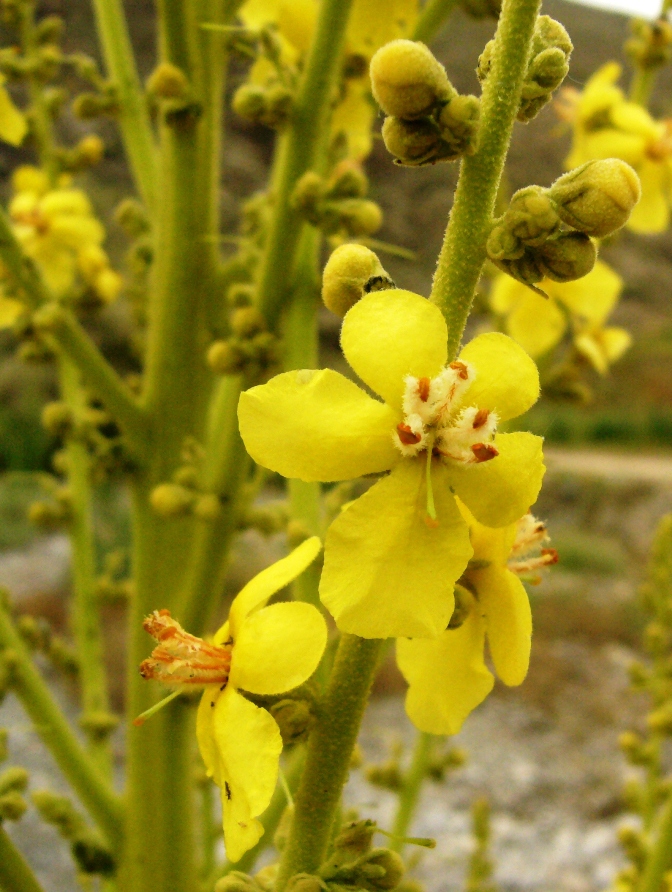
(406, 435)
(551, 555)
(423, 389)
(484, 452)
(480, 418)
(461, 369)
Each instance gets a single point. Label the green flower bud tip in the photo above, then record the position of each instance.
(309, 191)
(13, 779)
(567, 257)
(12, 806)
(360, 217)
(92, 856)
(236, 881)
(306, 882)
(407, 80)
(347, 181)
(59, 811)
(98, 724)
(224, 358)
(380, 869)
(294, 718)
(186, 475)
(598, 197)
(167, 81)
(413, 143)
(351, 272)
(171, 500)
(57, 418)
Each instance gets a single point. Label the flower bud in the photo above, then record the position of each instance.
(12, 806)
(359, 216)
(354, 839)
(413, 143)
(388, 776)
(247, 321)
(348, 181)
(351, 272)
(13, 779)
(566, 257)
(458, 123)
(57, 419)
(306, 882)
(59, 811)
(660, 720)
(208, 507)
(91, 855)
(294, 718)
(131, 216)
(90, 150)
(167, 81)
(379, 869)
(308, 192)
(598, 197)
(407, 80)
(236, 881)
(171, 500)
(224, 358)
(279, 101)
(249, 101)
(526, 269)
(99, 724)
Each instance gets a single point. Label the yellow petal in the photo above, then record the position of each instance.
(615, 341)
(652, 214)
(592, 297)
(505, 293)
(386, 572)
(447, 676)
(317, 426)
(590, 348)
(10, 310)
(248, 744)
(499, 491)
(536, 323)
(633, 118)
(507, 380)
(13, 125)
(353, 117)
(599, 145)
(489, 544)
(508, 621)
(373, 23)
(391, 334)
(271, 580)
(278, 648)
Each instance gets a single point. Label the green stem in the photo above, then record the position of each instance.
(410, 792)
(463, 252)
(56, 734)
(432, 18)
(299, 150)
(659, 858)
(642, 85)
(301, 340)
(42, 123)
(16, 874)
(85, 608)
(328, 756)
(134, 120)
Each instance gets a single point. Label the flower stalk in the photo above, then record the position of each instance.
(16, 874)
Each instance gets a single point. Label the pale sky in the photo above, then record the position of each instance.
(642, 8)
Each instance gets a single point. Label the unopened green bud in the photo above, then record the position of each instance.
(306, 882)
(50, 318)
(413, 143)
(167, 81)
(49, 29)
(47, 515)
(171, 500)
(132, 217)
(531, 216)
(348, 181)
(294, 718)
(266, 877)
(267, 519)
(547, 68)
(59, 811)
(91, 854)
(379, 869)
(98, 724)
(57, 418)
(354, 839)
(407, 80)
(90, 150)
(656, 637)
(458, 123)
(208, 507)
(297, 532)
(388, 776)
(240, 294)
(186, 475)
(359, 216)
(12, 806)
(351, 272)
(567, 257)
(598, 197)
(247, 321)
(279, 101)
(651, 44)
(13, 779)
(526, 269)
(660, 720)
(236, 881)
(225, 358)
(249, 101)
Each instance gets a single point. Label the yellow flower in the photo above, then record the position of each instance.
(10, 310)
(13, 125)
(372, 24)
(539, 323)
(607, 125)
(58, 230)
(264, 650)
(393, 556)
(447, 676)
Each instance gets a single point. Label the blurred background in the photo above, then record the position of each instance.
(545, 754)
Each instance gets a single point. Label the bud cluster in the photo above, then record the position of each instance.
(650, 45)
(169, 90)
(38, 635)
(546, 70)
(250, 348)
(351, 272)
(88, 849)
(427, 119)
(546, 233)
(338, 205)
(13, 783)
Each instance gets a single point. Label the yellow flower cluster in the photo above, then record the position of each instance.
(56, 227)
(607, 125)
(264, 650)
(581, 307)
(371, 24)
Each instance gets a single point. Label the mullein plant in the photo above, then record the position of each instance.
(431, 555)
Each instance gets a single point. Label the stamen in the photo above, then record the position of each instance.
(480, 418)
(423, 389)
(406, 435)
(484, 451)
(148, 713)
(431, 508)
(461, 369)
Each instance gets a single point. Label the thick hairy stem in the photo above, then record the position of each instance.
(51, 725)
(463, 253)
(432, 18)
(15, 872)
(133, 117)
(299, 150)
(330, 747)
(85, 607)
(412, 785)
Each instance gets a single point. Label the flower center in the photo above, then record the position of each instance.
(435, 422)
(182, 659)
